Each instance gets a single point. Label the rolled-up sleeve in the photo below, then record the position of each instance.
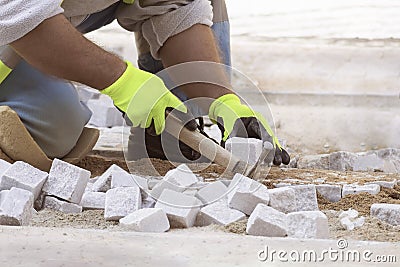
(19, 17)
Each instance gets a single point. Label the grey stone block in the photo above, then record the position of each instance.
(313, 162)
(308, 224)
(121, 201)
(218, 213)
(212, 192)
(93, 200)
(333, 193)
(282, 199)
(244, 194)
(103, 183)
(16, 207)
(349, 189)
(342, 161)
(306, 197)
(247, 149)
(146, 220)
(24, 176)
(389, 213)
(266, 221)
(66, 181)
(368, 162)
(180, 208)
(59, 205)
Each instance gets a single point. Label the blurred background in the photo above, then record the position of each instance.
(329, 69)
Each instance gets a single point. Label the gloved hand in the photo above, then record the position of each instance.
(227, 109)
(143, 97)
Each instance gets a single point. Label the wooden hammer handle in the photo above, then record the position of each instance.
(205, 146)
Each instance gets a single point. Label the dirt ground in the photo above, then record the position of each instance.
(373, 229)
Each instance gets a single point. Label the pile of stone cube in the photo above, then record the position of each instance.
(180, 199)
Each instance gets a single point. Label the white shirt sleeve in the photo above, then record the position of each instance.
(19, 17)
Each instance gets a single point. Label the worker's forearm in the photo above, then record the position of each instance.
(197, 44)
(57, 48)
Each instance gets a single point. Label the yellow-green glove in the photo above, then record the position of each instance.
(143, 97)
(229, 109)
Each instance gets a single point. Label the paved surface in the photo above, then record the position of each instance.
(70, 247)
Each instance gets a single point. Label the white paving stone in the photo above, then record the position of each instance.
(333, 193)
(121, 201)
(342, 161)
(125, 179)
(244, 194)
(368, 162)
(308, 224)
(212, 192)
(178, 180)
(350, 213)
(182, 176)
(247, 149)
(104, 114)
(386, 184)
(93, 200)
(103, 183)
(218, 213)
(282, 199)
(24, 176)
(180, 208)
(389, 213)
(349, 189)
(306, 197)
(266, 221)
(16, 207)
(152, 220)
(314, 162)
(4, 165)
(66, 181)
(60, 205)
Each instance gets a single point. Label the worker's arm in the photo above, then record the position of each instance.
(57, 48)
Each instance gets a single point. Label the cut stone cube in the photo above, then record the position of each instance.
(218, 213)
(66, 181)
(282, 199)
(245, 194)
(332, 193)
(125, 179)
(389, 213)
(104, 114)
(178, 180)
(182, 176)
(212, 192)
(246, 149)
(59, 205)
(121, 201)
(146, 220)
(4, 165)
(350, 213)
(93, 200)
(349, 189)
(314, 162)
(103, 183)
(180, 208)
(266, 221)
(306, 197)
(385, 184)
(342, 161)
(16, 207)
(308, 224)
(24, 176)
(368, 162)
